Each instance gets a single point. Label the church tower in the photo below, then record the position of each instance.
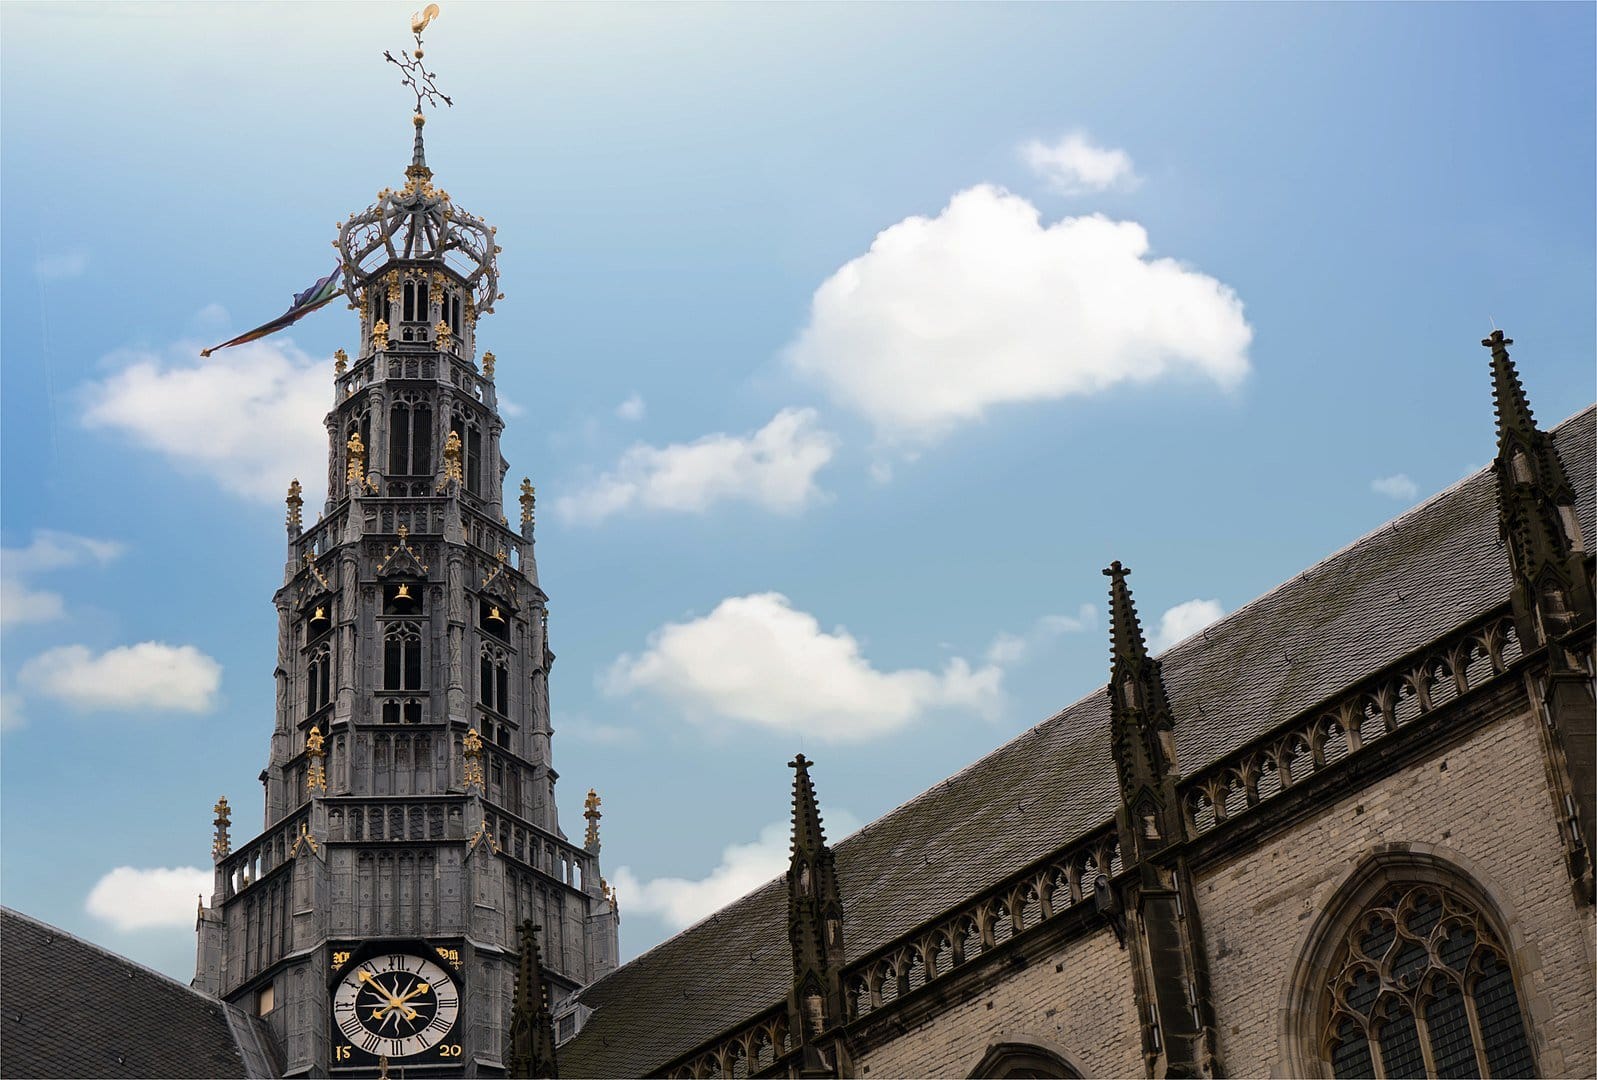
(410, 819)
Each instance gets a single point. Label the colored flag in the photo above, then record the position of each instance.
(304, 303)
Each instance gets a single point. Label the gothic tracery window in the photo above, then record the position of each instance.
(402, 656)
(410, 438)
(318, 678)
(1421, 986)
(494, 689)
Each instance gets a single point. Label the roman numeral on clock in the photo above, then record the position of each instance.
(440, 1022)
(448, 1002)
(370, 1043)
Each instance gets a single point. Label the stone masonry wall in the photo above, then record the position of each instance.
(1076, 1001)
(1482, 805)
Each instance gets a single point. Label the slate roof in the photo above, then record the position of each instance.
(70, 1008)
(1405, 584)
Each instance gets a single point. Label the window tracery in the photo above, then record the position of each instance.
(1421, 985)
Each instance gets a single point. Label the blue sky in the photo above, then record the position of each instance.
(823, 365)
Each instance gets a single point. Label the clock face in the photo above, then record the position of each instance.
(396, 1006)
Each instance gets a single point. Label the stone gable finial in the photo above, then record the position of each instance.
(590, 810)
(529, 505)
(532, 1039)
(222, 844)
(295, 503)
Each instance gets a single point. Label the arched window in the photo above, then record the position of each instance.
(410, 438)
(1418, 983)
(494, 691)
(318, 678)
(402, 656)
(1018, 1059)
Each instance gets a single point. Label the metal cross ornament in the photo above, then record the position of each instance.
(414, 75)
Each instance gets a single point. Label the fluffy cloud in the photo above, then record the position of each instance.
(1072, 165)
(1007, 650)
(1184, 620)
(149, 676)
(67, 264)
(983, 305)
(773, 468)
(132, 899)
(631, 409)
(680, 902)
(1398, 487)
(755, 660)
(249, 417)
(11, 715)
(20, 602)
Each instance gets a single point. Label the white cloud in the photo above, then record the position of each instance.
(631, 409)
(11, 715)
(1398, 487)
(1007, 650)
(148, 676)
(249, 417)
(20, 602)
(983, 305)
(680, 902)
(1072, 165)
(1184, 620)
(773, 468)
(132, 899)
(509, 408)
(755, 660)
(60, 267)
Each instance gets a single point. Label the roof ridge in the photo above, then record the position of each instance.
(1181, 645)
(842, 845)
(114, 955)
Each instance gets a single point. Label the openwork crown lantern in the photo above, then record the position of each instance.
(418, 221)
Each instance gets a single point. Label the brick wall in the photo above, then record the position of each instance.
(1483, 805)
(1076, 1000)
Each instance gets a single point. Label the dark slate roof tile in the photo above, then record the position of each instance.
(71, 1008)
(1403, 585)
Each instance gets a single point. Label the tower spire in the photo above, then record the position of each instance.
(532, 1038)
(815, 930)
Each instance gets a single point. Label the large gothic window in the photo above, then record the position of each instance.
(319, 682)
(410, 439)
(494, 690)
(1420, 985)
(1018, 1059)
(402, 656)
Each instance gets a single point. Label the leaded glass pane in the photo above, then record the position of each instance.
(1377, 937)
(1400, 1046)
(1423, 917)
(1452, 1049)
(1457, 946)
(1350, 1058)
(1411, 959)
(1361, 995)
(1497, 1006)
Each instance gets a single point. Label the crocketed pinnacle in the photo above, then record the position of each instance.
(1126, 642)
(808, 835)
(1508, 393)
(532, 1040)
(1139, 708)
